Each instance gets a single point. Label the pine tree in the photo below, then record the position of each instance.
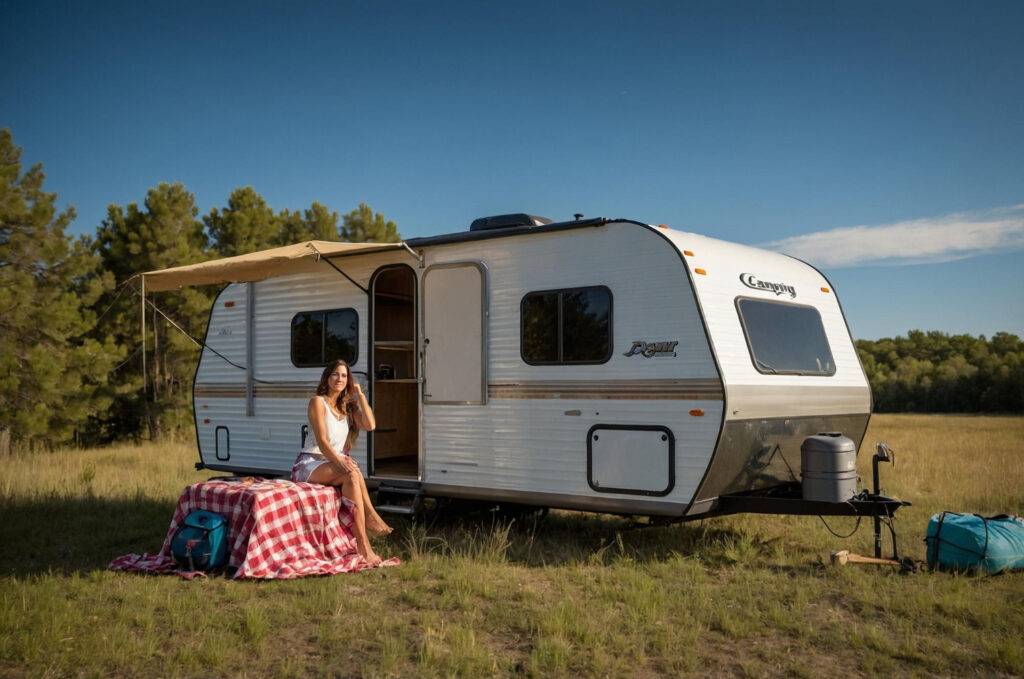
(363, 226)
(246, 225)
(316, 223)
(164, 232)
(52, 375)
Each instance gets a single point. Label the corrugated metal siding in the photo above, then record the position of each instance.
(533, 446)
(530, 444)
(651, 298)
(225, 334)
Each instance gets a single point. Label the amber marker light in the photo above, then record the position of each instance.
(206, 421)
(688, 253)
(229, 304)
(662, 226)
(702, 272)
(697, 413)
(825, 290)
(205, 406)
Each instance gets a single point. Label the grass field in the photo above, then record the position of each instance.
(574, 594)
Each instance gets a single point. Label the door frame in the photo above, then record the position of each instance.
(371, 377)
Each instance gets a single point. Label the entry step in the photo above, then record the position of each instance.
(394, 499)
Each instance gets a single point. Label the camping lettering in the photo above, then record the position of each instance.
(752, 281)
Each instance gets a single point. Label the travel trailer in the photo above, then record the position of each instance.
(595, 364)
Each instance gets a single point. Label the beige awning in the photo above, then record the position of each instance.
(257, 266)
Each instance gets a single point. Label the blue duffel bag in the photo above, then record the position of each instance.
(964, 542)
(201, 541)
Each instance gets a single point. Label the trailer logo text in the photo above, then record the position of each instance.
(648, 349)
(752, 281)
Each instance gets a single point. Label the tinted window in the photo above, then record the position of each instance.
(321, 337)
(540, 327)
(785, 338)
(566, 326)
(307, 339)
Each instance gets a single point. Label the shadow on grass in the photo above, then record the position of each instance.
(64, 535)
(533, 539)
(57, 534)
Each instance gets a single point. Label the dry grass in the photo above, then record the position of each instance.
(574, 595)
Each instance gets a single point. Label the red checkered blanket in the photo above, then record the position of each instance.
(276, 529)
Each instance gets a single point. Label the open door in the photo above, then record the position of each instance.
(395, 444)
(454, 334)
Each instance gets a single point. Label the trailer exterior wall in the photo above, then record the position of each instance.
(529, 441)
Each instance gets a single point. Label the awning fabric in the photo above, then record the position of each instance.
(256, 266)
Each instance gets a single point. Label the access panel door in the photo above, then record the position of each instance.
(454, 334)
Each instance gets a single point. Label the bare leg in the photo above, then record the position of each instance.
(373, 521)
(350, 489)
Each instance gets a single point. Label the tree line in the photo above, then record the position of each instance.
(70, 342)
(937, 372)
(71, 350)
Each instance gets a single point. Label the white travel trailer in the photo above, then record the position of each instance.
(597, 364)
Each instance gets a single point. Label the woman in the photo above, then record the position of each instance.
(336, 414)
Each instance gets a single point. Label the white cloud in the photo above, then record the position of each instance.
(918, 241)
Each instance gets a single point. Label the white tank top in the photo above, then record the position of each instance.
(337, 432)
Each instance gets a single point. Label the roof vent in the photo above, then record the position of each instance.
(507, 221)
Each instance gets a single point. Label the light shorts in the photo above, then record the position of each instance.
(305, 464)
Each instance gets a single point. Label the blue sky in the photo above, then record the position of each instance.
(883, 141)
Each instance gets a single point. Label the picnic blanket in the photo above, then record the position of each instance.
(276, 529)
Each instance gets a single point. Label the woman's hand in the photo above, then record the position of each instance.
(349, 464)
(364, 415)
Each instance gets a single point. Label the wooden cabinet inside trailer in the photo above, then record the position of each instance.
(395, 383)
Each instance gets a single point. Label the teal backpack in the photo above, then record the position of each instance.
(201, 541)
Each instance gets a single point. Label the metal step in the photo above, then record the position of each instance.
(390, 496)
(404, 510)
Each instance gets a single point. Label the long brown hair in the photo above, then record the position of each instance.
(343, 401)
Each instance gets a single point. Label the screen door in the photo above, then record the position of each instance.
(454, 343)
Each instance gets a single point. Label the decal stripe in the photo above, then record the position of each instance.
(282, 390)
(681, 389)
(665, 389)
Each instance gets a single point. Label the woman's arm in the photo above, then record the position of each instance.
(342, 463)
(363, 415)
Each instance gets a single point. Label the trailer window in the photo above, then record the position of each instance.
(566, 326)
(785, 338)
(322, 337)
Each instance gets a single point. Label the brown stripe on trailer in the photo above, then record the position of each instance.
(677, 389)
(282, 390)
(672, 390)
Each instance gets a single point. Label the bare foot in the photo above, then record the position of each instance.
(369, 556)
(376, 525)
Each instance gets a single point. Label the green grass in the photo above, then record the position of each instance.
(479, 595)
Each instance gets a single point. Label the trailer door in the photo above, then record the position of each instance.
(454, 334)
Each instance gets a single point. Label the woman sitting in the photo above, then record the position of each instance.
(336, 414)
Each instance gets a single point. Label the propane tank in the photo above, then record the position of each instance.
(828, 467)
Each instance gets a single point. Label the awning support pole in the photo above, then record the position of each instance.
(365, 291)
(417, 255)
(250, 346)
(142, 312)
